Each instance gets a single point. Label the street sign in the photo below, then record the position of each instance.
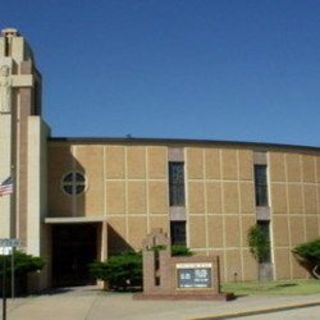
(5, 251)
(9, 243)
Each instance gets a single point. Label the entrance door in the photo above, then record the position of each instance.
(74, 248)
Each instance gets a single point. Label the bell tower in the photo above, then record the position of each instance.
(23, 136)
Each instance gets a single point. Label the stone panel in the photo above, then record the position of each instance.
(214, 197)
(160, 222)
(232, 231)
(230, 197)
(233, 265)
(247, 222)
(250, 266)
(229, 164)
(197, 233)
(158, 197)
(136, 162)
(297, 230)
(295, 198)
(212, 160)
(137, 231)
(195, 163)
(247, 197)
(220, 254)
(282, 263)
(308, 169)
(280, 231)
(310, 199)
(293, 167)
(279, 198)
(277, 171)
(246, 164)
(215, 231)
(312, 228)
(196, 197)
(298, 272)
(89, 160)
(136, 197)
(157, 163)
(115, 164)
(115, 197)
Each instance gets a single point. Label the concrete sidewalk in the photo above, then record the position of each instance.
(88, 303)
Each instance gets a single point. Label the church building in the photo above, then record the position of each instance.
(77, 200)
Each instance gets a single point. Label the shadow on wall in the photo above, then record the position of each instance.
(116, 243)
(66, 183)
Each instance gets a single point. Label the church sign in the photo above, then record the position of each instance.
(194, 275)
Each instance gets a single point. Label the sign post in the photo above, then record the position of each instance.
(6, 248)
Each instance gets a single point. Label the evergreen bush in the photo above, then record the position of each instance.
(308, 254)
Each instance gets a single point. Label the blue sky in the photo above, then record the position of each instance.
(246, 70)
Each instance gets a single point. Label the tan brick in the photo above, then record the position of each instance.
(232, 231)
(136, 162)
(295, 198)
(214, 197)
(310, 199)
(279, 198)
(195, 163)
(280, 231)
(293, 167)
(215, 231)
(136, 197)
(231, 197)
(277, 171)
(115, 197)
(115, 167)
(158, 197)
(308, 169)
(196, 197)
(297, 230)
(197, 233)
(213, 165)
(282, 263)
(246, 164)
(229, 164)
(157, 163)
(247, 197)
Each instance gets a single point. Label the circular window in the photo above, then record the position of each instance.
(74, 183)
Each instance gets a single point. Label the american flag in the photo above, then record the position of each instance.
(6, 187)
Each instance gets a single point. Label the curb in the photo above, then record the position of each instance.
(259, 311)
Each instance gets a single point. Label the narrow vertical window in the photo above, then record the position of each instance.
(261, 188)
(176, 184)
(178, 232)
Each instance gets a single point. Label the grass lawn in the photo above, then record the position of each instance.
(284, 287)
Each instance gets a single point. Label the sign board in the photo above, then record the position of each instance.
(5, 251)
(194, 275)
(9, 243)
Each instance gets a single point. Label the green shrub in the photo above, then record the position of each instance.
(122, 272)
(259, 243)
(178, 250)
(308, 254)
(23, 263)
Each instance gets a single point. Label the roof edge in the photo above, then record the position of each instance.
(177, 141)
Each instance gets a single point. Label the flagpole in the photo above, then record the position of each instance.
(4, 297)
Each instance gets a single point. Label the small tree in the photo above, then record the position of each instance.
(308, 254)
(259, 243)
